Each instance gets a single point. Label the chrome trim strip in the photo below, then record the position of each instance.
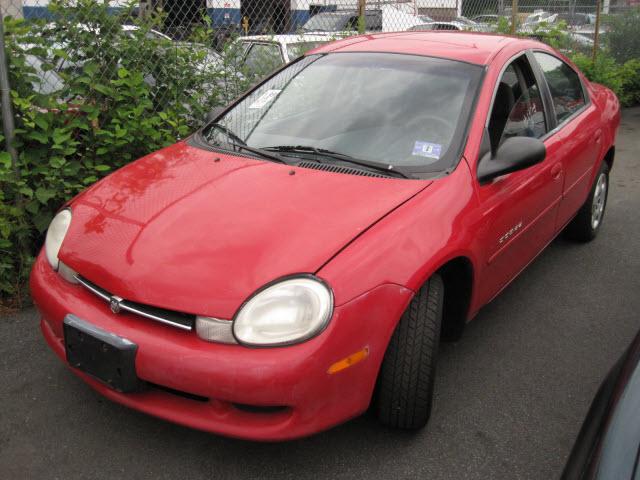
(93, 289)
(104, 295)
(127, 308)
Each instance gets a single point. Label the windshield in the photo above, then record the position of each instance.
(389, 109)
(326, 22)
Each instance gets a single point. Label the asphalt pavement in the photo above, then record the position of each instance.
(510, 395)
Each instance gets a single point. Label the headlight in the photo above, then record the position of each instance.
(290, 311)
(55, 235)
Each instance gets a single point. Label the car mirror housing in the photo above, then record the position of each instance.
(516, 153)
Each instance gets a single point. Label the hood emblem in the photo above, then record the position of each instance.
(115, 304)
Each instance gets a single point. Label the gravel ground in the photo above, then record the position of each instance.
(510, 396)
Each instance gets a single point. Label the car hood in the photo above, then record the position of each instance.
(197, 231)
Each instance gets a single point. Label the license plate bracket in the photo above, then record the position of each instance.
(101, 354)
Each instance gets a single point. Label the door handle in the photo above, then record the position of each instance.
(556, 171)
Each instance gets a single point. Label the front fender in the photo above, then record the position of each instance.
(409, 245)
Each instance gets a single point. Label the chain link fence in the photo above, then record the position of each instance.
(201, 53)
(244, 39)
(89, 85)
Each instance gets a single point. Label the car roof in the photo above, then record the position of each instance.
(471, 47)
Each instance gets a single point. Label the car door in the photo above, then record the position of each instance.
(518, 210)
(577, 132)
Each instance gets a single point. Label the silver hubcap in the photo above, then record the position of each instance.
(599, 199)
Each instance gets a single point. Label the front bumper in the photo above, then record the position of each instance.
(209, 386)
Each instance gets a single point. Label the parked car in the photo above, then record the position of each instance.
(489, 19)
(425, 27)
(298, 259)
(571, 40)
(344, 20)
(456, 25)
(608, 445)
(577, 19)
(538, 17)
(388, 18)
(261, 54)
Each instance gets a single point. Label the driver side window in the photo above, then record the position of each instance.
(517, 108)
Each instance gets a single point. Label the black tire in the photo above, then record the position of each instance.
(405, 383)
(582, 228)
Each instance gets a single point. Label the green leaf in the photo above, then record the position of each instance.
(38, 136)
(42, 122)
(58, 52)
(102, 168)
(41, 220)
(32, 207)
(5, 160)
(123, 72)
(43, 195)
(103, 89)
(60, 136)
(26, 191)
(57, 162)
(90, 68)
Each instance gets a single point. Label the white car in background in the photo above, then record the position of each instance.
(459, 24)
(261, 54)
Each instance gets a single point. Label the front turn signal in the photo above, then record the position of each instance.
(349, 361)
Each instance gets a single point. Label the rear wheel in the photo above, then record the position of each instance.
(586, 224)
(405, 383)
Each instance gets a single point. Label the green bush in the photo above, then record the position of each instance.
(617, 63)
(622, 39)
(623, 79)
(122, 95)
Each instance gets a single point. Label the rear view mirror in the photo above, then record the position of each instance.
(516, 153)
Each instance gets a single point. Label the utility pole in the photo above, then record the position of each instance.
(596, 36)
(362, 6)
(514, 16)
(8, 126)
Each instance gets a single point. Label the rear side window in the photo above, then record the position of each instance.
(263, 58)
(564, 84)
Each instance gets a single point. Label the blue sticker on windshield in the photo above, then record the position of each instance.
(427, 149)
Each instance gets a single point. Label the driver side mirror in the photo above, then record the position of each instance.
(213, 114)
(516, 153)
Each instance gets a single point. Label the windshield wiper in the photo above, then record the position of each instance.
(388, 169)
(239, 144)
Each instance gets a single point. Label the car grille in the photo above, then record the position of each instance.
(180, 320)
(340, 169)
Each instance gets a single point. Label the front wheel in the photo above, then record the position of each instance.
(586, 224)
(405, 383)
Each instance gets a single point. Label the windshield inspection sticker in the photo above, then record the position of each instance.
(427, 149)
(265, 98)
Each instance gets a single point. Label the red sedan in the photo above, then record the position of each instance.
(297, 260)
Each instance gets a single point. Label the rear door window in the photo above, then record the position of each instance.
(564, 84)
(263, 58)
